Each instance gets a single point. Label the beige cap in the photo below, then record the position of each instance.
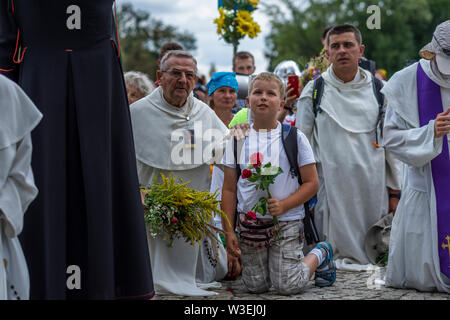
(439, 47)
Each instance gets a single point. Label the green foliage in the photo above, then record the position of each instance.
(261, 206)
(382, 259)
(142, 36)
(406, 26)
(174, 210)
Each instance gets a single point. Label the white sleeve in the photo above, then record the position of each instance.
(305, 154)
(17, 188)
(413, 146)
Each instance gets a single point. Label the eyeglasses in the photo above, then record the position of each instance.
(178, 74)
(446, 51)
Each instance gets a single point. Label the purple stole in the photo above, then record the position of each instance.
(430, 105)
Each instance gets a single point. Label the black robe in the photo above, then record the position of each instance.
(88, 212)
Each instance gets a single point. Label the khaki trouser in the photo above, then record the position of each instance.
(278, 265)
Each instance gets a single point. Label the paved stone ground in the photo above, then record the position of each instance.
(348, 286)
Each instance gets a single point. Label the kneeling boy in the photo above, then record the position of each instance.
(273, 255)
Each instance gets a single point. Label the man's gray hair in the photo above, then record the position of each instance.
(176, 53)
(139, 81)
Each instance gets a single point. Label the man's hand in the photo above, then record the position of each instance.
(442, 124)
(143, 193)
(275, 207)
(232, 244)
(290, 95)
(241, 130)
(234, 267)
(393, 204)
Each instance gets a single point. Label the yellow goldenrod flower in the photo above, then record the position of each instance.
(253, 3)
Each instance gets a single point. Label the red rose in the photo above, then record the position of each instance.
(174, 220)
(256, 159)
(246, 174)
(251, 215)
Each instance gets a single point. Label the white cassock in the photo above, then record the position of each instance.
(413, 253)
(159, 129)
(353, 174)
(18, 117)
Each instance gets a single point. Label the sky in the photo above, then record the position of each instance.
(196, 16)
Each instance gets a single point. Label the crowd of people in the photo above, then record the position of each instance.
(78, 137)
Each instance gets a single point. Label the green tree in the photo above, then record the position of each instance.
(142, 36)
(406, 26)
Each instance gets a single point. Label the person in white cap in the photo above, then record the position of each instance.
(416, 131)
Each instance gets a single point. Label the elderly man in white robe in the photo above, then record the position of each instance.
(18, 117)
(174, 133)
(417, 128)
(359, 182)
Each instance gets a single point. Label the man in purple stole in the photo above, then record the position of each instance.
(417, 131)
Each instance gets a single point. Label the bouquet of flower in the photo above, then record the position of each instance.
(236, 21)
(262, 177)
(315, 67)
(176, 211)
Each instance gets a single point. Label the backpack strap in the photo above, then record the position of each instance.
(377, 85)
(317, 95)
(238, 170)
(291, 148)
(238, 167)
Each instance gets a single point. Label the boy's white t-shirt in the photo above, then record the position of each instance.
(270, 145)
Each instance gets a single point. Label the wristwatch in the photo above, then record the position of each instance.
(395, 195)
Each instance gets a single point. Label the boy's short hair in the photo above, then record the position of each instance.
(168, 46)
(242, 55)
(344, 28)
(268, 76)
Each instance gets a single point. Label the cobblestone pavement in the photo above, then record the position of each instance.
(348, 286)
